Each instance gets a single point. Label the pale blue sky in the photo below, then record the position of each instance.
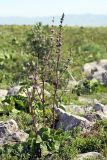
(31, 8)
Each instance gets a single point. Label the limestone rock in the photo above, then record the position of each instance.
(94, 112)
(20, 136)
(85, 100)
(3, 93)
(9, 132)
(16, 89)
(8, 127)
(13, 90)
(74, 109)
(98, 107)
(100, 111)
(97, 69)
(68, 121)
(90, 117)
(90, 155)
(72, 84)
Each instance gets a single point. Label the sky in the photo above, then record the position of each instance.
(32, 8)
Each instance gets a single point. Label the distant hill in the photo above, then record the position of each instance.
(72, 20)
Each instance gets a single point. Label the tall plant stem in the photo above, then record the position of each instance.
(58, 52)
(43, 101)
(31, 110)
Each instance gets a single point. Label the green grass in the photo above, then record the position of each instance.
(87, 44)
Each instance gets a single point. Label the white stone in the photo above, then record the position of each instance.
(97, 69)
(92, 155)
(10, 133)
(67, 121)
(3, 93)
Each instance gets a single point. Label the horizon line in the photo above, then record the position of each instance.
(70, 14)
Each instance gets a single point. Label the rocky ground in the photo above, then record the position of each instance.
(70, 116)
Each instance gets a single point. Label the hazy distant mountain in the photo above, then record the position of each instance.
(80, 20)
